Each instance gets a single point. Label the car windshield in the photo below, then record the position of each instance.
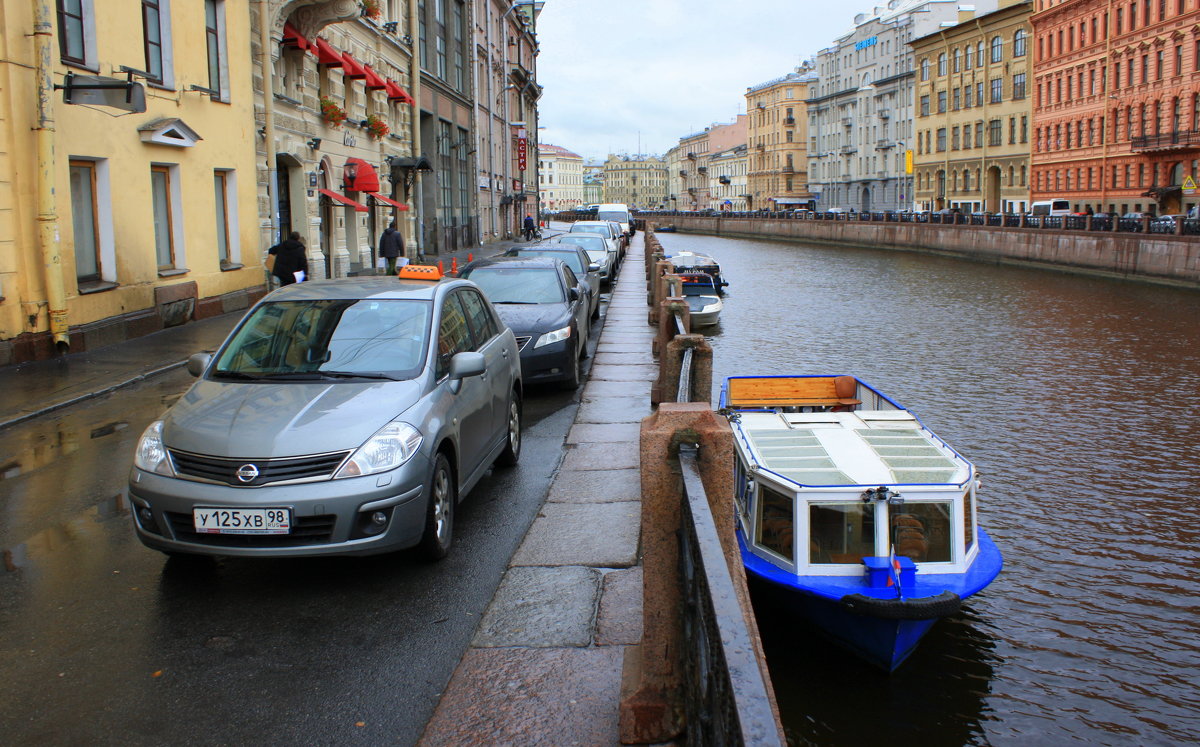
(570, 259)
(586, 242)
(337, 338)
(518, 284)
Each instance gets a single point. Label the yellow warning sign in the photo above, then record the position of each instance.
(1189, 185)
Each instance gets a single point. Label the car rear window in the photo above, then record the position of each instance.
(571, 259)
(621, 217)
(518, 284)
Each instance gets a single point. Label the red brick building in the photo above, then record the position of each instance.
(1116, 111)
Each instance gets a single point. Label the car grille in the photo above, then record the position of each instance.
(224, 469)
(306, 530)
(522, 342)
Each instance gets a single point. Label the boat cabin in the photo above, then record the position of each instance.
(832, 477)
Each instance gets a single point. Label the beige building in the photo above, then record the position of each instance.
(560, 176)
(973, 112)
(777, 140)
(127, 197)
(728, 178)
(639, 182)
(676, 178)
(695, 187)
(337, 112)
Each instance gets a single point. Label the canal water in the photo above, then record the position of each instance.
(1079, 401)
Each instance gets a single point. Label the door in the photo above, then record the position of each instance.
(485, 329)
(470, 409)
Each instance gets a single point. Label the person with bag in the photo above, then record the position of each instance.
(290, 263)
(391, 246)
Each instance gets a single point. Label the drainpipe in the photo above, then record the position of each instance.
(264, 61)
(414, 32)
(48, 239)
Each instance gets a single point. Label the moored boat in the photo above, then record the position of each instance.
(852, 513)
(704, 303)
(691, 263)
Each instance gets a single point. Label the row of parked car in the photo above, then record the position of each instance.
(351, 416)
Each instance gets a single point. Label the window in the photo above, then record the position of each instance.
(74, 17)
(967, 62)
(967, 97)
(925, 105)
(221, 202)
(941, 105)
(979, 93)
(954, 141)
(153, 39)
(218, 66)
(957, 99)
(1018, 86)
(1012, 130)
(924, 532)
(483, 325)
(1019, 43)
(924, 68)
(454, 336)
(840, 532)
(164, 228)
(995, 132)
(85, 221)
(1145, 68)
(941, 140)
(777, 523)
(997, 49)
(997, 90)
(967, 137)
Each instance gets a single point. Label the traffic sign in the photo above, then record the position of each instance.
(1189, 185)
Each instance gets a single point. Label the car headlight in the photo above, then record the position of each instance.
(557, 335)
(151, 454)
(393, 445)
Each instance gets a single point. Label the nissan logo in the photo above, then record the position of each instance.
(247, 472)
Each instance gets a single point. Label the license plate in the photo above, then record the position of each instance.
(242, 520)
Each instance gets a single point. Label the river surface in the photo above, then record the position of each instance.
(1079, 401)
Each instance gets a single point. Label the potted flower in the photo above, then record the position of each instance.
(332, 113)
(371, 8)
(376, 127)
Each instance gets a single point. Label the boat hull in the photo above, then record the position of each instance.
(876, 629)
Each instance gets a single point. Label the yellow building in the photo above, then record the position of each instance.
(115, 223)
(639, 182)
(973, 112)
(777, 139)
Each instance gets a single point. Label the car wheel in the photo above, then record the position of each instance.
(512, 449)
(439, 514)
(573, 375)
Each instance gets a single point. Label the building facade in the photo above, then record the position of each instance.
(112, 226)
(728, 178)
(637, 181)
(560, 176)
(974, 107)
(335, 112)
(777, 136)
(694, 185)
(593, 183)
(1116, 119)
(505, 92)
(861, 111)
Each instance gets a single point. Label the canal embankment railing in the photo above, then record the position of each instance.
(699, 675)
(1125, 248)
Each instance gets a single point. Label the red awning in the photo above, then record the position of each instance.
(351, 67)
(389, 201)
(293, 38)
(326, 54)
(374, 80)
(394, 91)
(358, 206)
(364, 178)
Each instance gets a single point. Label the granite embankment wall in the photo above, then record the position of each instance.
(1162, 259)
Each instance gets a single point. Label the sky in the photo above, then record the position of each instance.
(634, 76)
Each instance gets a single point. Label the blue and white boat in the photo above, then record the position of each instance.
(852, 513)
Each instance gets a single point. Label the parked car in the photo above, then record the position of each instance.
(600, 249)
(542, 302)
(1166, 223)
(586, 271)
(610, 229)
(343, 417)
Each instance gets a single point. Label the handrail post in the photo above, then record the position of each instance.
(666, 389)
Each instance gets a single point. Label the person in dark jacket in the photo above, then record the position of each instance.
(290, 257)
(529, 227)
(391, 246)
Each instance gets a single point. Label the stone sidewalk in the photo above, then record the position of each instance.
(544, 667)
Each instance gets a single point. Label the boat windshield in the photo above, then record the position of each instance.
(841, 532)
(777, 526)
(922, 531)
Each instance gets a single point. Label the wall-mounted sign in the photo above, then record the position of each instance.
(867, 43)
(522, 148)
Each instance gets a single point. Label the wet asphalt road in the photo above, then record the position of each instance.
(103, 641)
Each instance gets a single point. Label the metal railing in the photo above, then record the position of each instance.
(728, 701)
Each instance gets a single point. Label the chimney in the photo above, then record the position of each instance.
(965, 13)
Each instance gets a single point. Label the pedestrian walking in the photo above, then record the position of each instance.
(529, 227)
(291, 260)
(391, 246)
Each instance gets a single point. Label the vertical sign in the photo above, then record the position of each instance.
(908, 158)
(522, 148)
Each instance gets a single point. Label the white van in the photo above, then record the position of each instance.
(1051, 207)
(617, 212)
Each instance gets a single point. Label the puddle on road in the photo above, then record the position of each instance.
(85, 527)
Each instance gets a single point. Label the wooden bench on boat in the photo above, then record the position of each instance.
(785, 391)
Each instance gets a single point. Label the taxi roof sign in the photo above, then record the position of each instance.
(419, 272)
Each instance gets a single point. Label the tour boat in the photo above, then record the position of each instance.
(691, 263)
(852, 513)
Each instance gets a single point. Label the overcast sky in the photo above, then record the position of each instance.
(612, 69)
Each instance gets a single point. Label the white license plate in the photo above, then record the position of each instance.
(242, 520)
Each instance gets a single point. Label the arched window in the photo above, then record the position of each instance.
(966, 180)
(1019, 43)
(997, 49)
(957, 59)
(941, 64)
(979, 53)
(970, 57)
(924, 68)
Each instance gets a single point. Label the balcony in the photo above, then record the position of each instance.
(789, 121)
(702, 169)
(761, 146)
(885, 113)
(691, 156)
(847, 150)
(1178, 140)
(884, 145)
(683, 172)
(787, 169)
(723, 179)
(847, 121)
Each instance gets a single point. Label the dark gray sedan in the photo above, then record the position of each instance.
(340, 417)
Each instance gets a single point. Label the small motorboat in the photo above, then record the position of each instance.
(851, 513)
(691, 263)
(704, 311)
(665, 229)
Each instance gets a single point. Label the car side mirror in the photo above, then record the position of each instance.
(197, 364)
(593, 267)
(463, 365)
(573, 294)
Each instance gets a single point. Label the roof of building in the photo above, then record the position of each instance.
(556, 150)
